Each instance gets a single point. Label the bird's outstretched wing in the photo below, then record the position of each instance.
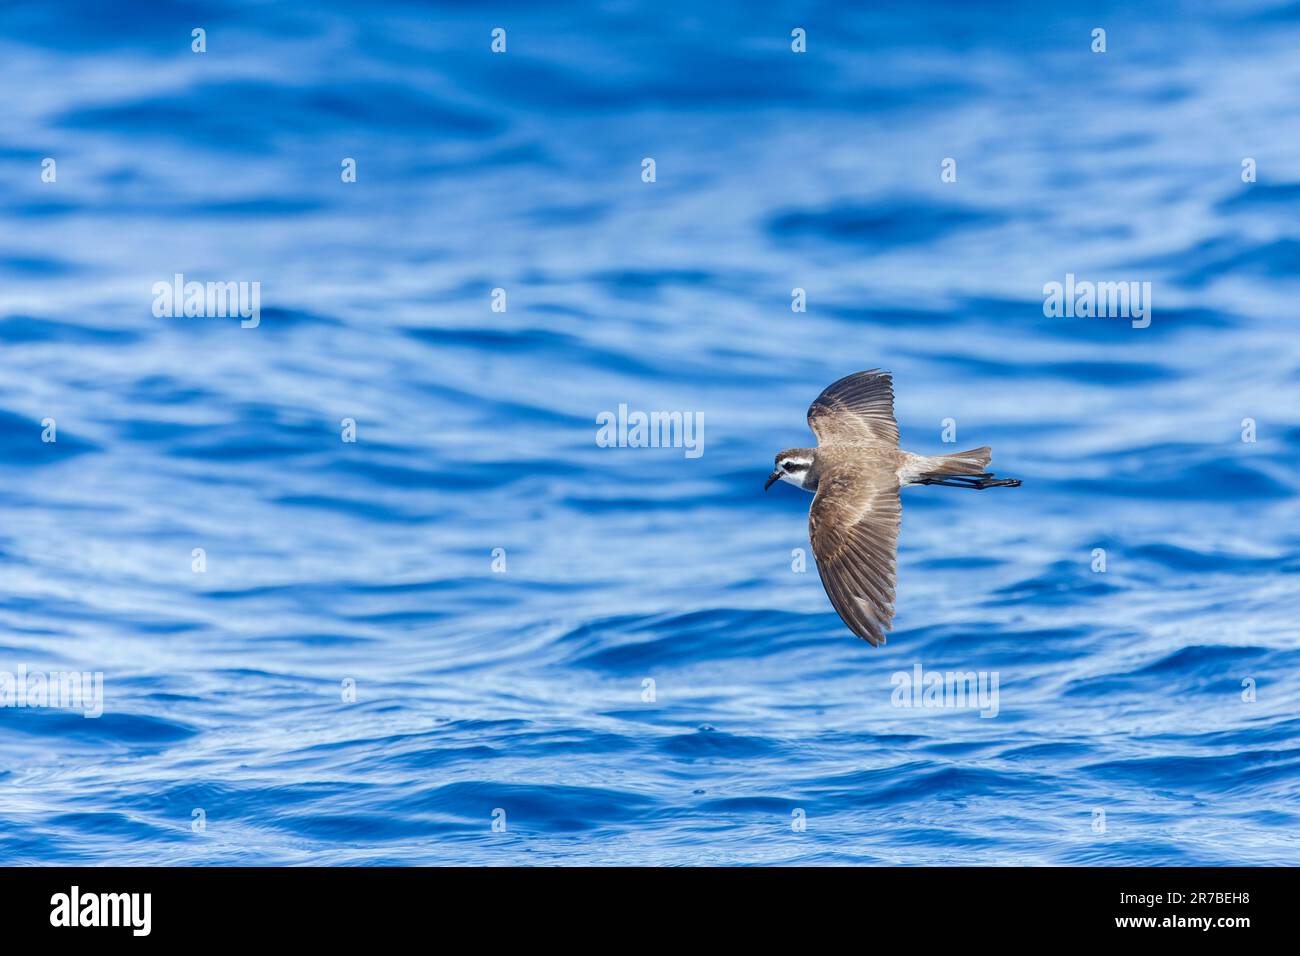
(856, 410)
(853, 525)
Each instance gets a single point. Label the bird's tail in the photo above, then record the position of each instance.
(964, 470)
(971, 462)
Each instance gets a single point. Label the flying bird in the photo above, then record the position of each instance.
(855, 473)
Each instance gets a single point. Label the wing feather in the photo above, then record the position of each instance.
(853, 525)
(856, 410)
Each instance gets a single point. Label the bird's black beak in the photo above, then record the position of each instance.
(772, 479)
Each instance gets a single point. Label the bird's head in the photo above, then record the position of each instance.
(794, 465)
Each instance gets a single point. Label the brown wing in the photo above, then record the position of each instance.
(856, 410)
(853, 525)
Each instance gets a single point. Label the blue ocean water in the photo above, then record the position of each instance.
(639, 675)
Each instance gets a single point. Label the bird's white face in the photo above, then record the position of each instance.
(792, 469)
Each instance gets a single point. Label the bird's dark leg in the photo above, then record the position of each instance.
(985, 480)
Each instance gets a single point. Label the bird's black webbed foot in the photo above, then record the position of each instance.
(985, 480)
